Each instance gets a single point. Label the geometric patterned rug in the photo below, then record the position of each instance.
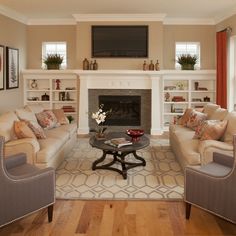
(161, 178)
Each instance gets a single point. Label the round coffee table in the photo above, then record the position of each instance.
(119, 154)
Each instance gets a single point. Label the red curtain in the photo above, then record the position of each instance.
(221, 57)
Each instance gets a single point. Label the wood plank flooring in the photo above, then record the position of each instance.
(120, 218)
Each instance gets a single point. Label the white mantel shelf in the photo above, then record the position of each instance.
(125, 79)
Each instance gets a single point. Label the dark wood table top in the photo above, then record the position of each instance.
(142, 143)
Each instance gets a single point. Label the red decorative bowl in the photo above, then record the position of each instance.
(135, 134)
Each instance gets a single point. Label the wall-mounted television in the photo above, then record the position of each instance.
(120, 41)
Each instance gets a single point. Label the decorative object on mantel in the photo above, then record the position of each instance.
(151, 65)
(145, 66)
(95, 65)
(85, 64)
(53, 61)
(91, 65)
(187, 61)
(157, 66)
(100, 117)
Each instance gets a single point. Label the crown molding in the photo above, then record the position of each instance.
(13, 14)
(118, 17)
(188, 21)
(56, 21)
(225, 16)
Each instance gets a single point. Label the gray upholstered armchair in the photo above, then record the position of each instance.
(24, 188)
(212, 187)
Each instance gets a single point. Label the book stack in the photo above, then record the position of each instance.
(118, 142)
(68, 109)
(178, 99)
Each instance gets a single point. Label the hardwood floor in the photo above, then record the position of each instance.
(120, 218)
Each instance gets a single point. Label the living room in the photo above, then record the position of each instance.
(124, 202)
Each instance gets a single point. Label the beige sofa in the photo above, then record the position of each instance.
(191, 151)
(48, 152)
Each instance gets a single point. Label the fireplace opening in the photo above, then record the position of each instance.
(126, 110)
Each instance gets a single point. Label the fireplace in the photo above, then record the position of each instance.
(126, 110)
(130, 108)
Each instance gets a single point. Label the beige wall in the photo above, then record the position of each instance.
(193, 33)
(230, 22)
(83, 44)
(13, 34)
(38, 34)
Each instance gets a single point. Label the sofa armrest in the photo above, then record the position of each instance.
(15, 160)
(206, 149)
(223, 159)
(29, 146)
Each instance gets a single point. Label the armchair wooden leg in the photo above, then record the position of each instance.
(50, 213)
(187, 210)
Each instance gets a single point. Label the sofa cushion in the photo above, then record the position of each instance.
(188, 146)
(70, 128)
(218, 114)
(209, 108)
(7, 125)
(35, 108)
(48, 148)
(210, 130)
(231, 127)
(24, 114)
(58, 133)
(22, 130)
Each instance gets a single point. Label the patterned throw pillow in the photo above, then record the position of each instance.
(195, 119)
(37, 130)
(47, 119)
(210, 129)
(184, 119)
(22, 130)
(60, 115)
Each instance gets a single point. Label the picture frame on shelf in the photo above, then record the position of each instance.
(2, 67)
(12, 68)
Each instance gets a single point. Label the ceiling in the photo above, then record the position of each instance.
(214, 10)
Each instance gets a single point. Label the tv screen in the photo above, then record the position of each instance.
(120, 41)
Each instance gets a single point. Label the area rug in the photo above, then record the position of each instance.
(161, 178)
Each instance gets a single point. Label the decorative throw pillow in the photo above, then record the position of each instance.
(47, 119)
(185, 117)
(195, 119)
(24, 114)
(22, 130)
(60, 115)
(210, 129)
(219, 114)
(37, 129)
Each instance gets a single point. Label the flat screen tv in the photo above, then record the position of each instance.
(120, 41)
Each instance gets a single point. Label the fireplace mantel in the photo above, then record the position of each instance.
(120, 79)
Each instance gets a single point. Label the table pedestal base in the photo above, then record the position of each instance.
(118, 157)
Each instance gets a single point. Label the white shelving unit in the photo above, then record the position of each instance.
(67, 95)
(192, 97)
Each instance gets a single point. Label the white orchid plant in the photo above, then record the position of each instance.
(100, 117)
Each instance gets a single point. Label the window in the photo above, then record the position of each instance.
(192, 48)
(52, 48)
